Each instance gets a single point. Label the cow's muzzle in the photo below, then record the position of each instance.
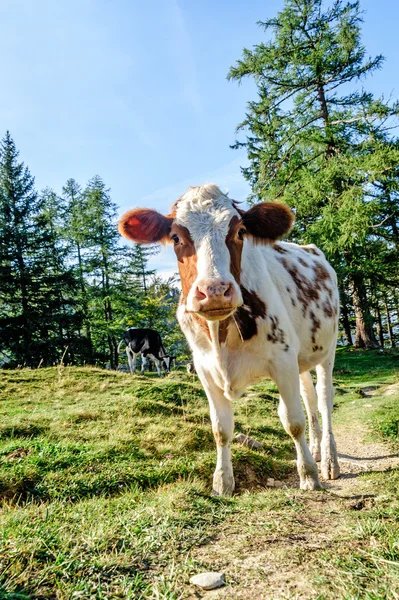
(215, 299)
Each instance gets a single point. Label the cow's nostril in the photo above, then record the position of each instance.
(200, 295)
(229, 291)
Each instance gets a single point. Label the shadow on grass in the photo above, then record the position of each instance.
(4, 595)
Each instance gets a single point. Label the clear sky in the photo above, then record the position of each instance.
(136, 92)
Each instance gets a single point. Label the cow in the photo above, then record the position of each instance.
(252, 307)
(145, 343)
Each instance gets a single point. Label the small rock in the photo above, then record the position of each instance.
(270, 482)
(278, 484)
(368, 391)
(247, 441)
(208, 581)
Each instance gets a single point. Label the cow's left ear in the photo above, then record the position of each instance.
(268, 221)
(145, 226)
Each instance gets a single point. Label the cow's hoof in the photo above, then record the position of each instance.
(310, 483)
(330, 469)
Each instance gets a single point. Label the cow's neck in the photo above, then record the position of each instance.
(214, 330)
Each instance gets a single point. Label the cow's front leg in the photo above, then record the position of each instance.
(221, 412)
(144, 364)
(158, 366)
(292, 417)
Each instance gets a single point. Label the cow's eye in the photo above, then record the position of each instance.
(241, 233)
(175, 238)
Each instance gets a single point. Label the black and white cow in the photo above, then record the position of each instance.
(146, 343)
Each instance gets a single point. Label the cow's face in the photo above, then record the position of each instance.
(166, 362)
(208, 231)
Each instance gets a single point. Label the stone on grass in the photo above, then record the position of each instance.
(270, 482)
(247, 441)
(208, 581)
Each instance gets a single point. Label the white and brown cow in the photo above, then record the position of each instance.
(252, 308)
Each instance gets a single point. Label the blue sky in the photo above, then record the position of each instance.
(137, 92)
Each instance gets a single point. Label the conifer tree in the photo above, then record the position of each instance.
(102, 240)
(32, 274)
(76, 235)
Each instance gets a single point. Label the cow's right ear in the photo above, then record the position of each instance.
(145, 226)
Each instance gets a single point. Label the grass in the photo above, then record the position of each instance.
(105, 487)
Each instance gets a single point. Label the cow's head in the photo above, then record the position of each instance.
(208, 231)
(166, 362)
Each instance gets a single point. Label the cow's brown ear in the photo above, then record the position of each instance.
(145, 226)
(268, 221)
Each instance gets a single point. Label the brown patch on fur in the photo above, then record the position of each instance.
(186, 257)
(303, 262)
(234, 244)
(316, 324)
(144, 226)
(268, 221)
(321, 273)
(328, 309)
(307, 290)
(221, 438)
(276, 334)
(246, 315)
(311, 250)
(279, 249)
(295, 430)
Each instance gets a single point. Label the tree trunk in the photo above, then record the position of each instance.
(390, 332)
(346, 324)
(365, 337)
(380, 330)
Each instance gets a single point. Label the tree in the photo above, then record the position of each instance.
(102, 241)
(33, 278)
(75, 234)
(315, 141)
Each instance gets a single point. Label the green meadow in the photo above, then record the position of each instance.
(105, 490)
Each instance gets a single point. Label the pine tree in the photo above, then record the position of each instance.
(59, 283)
(76, 235)
(314, 140)
(102, 241)
(32, 277)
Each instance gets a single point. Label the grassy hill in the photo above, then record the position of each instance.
(105, 480)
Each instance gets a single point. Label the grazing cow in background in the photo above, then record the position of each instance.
(252, 307)
(146, 343)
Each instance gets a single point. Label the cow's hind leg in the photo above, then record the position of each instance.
(309, 397)
(293, 419)
(325, 396)
(221, 412)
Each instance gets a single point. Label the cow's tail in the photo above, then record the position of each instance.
(119, 346)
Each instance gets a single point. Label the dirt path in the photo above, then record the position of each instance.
(358, 455)
(274, 555)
